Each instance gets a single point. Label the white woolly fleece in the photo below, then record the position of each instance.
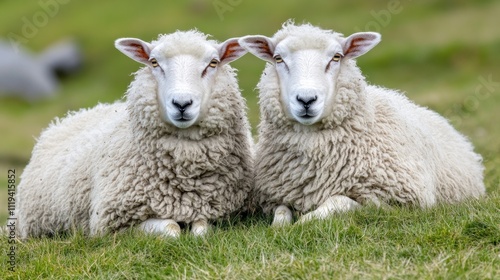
(116, 165)
(375, 146)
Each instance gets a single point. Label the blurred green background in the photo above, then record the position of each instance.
(443, 54)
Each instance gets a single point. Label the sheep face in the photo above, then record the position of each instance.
(307, 68)
(184, 84)
(307, 80)
(185, 69)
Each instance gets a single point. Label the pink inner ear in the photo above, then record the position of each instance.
(231, 48)
(355, 43)
(139, 51)
(359, 44)
(263, 47)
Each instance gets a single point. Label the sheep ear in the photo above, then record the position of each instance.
(260, 46)
(136, 49)
(360, 43)
(230, 50)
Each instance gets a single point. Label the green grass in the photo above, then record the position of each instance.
(447, 242)
(438, 52)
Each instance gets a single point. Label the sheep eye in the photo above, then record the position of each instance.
(154, 62)
(337, 57)
(213, 63)
(278, 59)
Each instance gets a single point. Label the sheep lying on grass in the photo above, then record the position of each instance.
(177, 150)
(329, 142)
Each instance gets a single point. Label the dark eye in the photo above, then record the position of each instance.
(213, 63)
(278, 58)
(337, 57)
(154, 62)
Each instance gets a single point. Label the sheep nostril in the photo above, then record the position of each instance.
(306, 101)
(182, 106)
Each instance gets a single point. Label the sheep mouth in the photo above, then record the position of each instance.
(183, 121)
(306, 117)
(306, 114)
(182, 117)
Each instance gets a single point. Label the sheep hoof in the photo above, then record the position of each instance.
(282, 216)
(200, 228)
(308, 217)
(172, 230)
(164, 227)
(334, 204)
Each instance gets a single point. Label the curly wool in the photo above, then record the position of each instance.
(114, 166)
(375, 146)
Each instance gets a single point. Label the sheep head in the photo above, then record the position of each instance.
(184, 65)
(308, 61)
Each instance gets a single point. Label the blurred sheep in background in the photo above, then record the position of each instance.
(34, 77)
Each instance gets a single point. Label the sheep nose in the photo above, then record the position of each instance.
(182, 105)
(307, 101)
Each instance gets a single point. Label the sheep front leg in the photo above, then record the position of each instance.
(334, 204)
(200, 227)
(165, 227)
(282, 216)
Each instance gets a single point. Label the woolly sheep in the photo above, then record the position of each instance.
(177, 150)
(328, 142)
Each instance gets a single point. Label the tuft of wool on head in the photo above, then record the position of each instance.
(305, 36)
(180, 42)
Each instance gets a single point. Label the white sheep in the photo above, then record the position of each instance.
(329, 142)
(177, 150)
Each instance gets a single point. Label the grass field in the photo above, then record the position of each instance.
(442, 54)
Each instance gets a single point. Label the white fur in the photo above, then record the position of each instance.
(357, 143)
